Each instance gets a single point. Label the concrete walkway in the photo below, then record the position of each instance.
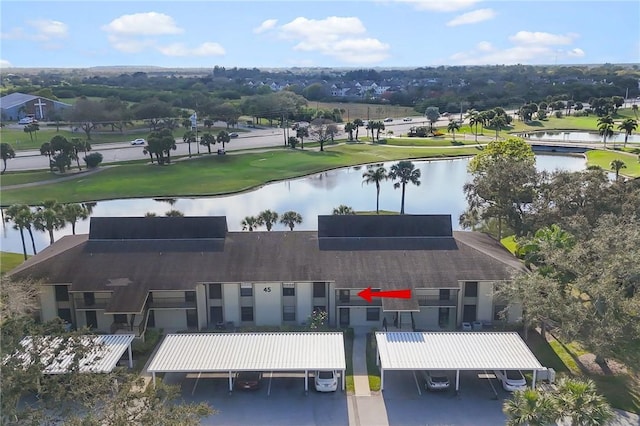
(365, 408)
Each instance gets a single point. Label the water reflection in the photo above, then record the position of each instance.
(440, 192)
(579, 137)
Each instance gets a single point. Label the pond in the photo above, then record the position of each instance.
(570, 136)
(440, 192)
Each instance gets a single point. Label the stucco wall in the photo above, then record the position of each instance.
(267, 299)
(231, 302)
(48, 310)
(171, 319)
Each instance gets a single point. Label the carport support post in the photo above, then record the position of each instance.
(153, 375)
(130, 357)
(230, 382)
(306, 381)
(457, 380)
(381, 379)
(533, 384)
(343, 378)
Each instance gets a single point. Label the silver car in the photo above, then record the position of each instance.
(436, 381)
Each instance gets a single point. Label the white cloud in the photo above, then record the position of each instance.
(5, 64)
(180, 49)
(47, 29)
(472, 17)
(576, 53)
(440, 5)
(484, 46)
(150, 23)
(265, 26)
(343, 38)
(541, 38)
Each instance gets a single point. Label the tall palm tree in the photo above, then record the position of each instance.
(22, 217)
(634, 107)
(579, 401)
(452, 127)
(371, 125)
(291, 219)
(223, 137)
(405, 172)
(268, 218)
(301, 133)
(628, 126)
(250, 222)
(616, 165)
(474, 120)
(47, 149)
(343, 210)
(207, 140)
(375, 174)
(530, 407)
(349, 128)
(358, 123)
(73, 212)
(498, 122)
(189, 138)
(48, 217)
(605, 126)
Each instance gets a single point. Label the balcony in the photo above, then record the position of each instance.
(436, 300)
(98, 304)
(357, 301)
(171, 303)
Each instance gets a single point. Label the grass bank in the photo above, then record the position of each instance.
(8, 261)
(604, 159)
(213, 175)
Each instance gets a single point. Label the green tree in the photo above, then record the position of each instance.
(223, 138)
(323, 131)
(293, 142)
(160, 143)
(579, 401)
(498, 122)
(349, 127)
(301, 133)
(22, 218)
(616, 165)
(628, 126)
(452, 127)
(358, 123)
(605, 128)
(375, 174)
(46, 149)
(207, 140)
(343, 210)
(634, 108)
(73, 212)
(250, 222)
(7, 153)
(433, 114)
(268, 218)
(189, 138)
(474, 120)
(174, 213)
(291, 219)
(530, 408)
(49, 217)
(404, 172)
(32, 129)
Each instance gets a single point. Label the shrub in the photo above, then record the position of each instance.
(558, 114)
(93, 160)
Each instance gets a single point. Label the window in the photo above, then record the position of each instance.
(89, 299)
(443, 317)
(192, 318)
(288, 289)
(92, 319)
(343, 296)
(319, 308)
(246, 313)
(65, 315)
(189, 296)
(215, 291)
(62, 294)
(151, 320)
(373, 314)
(445, 294)
(246, 290)
(499, 312)
(471, 289)
(319, 290)
(289, 313)
(120, 318)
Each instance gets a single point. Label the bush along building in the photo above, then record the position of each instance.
(190, 273)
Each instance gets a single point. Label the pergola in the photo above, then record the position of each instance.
(454, 351)
(234, 352)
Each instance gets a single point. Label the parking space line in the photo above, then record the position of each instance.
(495, 392)
(196, 383)
(417, 383)
(270, 378)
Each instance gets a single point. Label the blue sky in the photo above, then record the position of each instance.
(375, 33)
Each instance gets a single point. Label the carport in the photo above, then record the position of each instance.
(457, 351)
(233, 352)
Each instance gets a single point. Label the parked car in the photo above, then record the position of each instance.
(26, 120)
(407, 119)
(512, 380)
(326, 381)
(436, 381)
(388, 120)
(233, 135)
(248, 380)
(138, 141)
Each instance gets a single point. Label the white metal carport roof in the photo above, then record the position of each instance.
(103, 352)
(454, 351)
(232, 352)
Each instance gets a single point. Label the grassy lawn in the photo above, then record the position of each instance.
(348, 351)
(213, 174)
(17, 178)
(372, 367)
(604, 158)
(435, 141)
(8, 261)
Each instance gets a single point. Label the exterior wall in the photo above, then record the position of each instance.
(304, 301)
(485, 301)
(515, 312)
(427, 318)
(171, 319)
(201, 305)
(48, 310)
(267, 299)
(104, 321)
(358, 317)
(158, 295)
(231, 302)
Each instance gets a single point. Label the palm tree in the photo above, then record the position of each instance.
(616, 165)
(301, 133)
(474, 119)
(268, 218)
(343, 210)
(223, 137)
(7, 153)
(207, 140)
(605, 126)
(291, 219)
(21, 216)
(189, 138)
(379, 126)
(375, 174)
(405, 172)
(48, 217)
(530, 407)
(358, 123)
(371, 125)
(47, 149)
(73, 212)
(628, 125)
(634, 107)
(452, 127)
(498, 122)
(250, 222)
(349, 128)
(579, 401)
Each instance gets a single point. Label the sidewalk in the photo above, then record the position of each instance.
(365, 408)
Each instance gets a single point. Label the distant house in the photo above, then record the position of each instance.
(15, 106)
(177, 273)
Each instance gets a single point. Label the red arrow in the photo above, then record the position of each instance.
(367, 294)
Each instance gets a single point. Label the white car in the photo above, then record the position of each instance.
(326, 381)
(26, 120)
(407, 119)
(436, 381)
(512, 380)
(138, 141)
